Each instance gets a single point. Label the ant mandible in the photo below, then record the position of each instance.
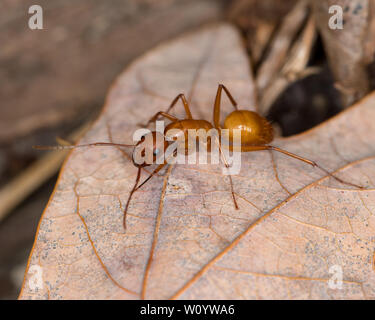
(256, 134)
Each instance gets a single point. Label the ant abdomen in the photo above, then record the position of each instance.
(255, 130)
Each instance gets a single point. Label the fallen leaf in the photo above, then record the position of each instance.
(280, 46)
(349, 50)
(294, 68)
(184, 237)
(259, 20)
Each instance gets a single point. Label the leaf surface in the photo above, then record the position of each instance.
(184, 238)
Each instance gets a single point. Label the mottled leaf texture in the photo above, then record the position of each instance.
(295, 226)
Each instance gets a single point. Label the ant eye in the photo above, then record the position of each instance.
(156, 151)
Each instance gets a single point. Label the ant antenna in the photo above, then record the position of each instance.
(96, 144)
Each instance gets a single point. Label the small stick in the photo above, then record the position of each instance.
(294, 67)
(280, 46)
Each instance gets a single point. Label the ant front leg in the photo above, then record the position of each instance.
(173, 104)
(185, 103)
(158, 168)
(163, 114)
(130, 196)
(136, 187)
(230, 177)
(217, 105)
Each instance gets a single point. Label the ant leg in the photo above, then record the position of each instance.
(217, 104)
(158, 168)
(292, 155)
(130, 196)
(163, 114)
(230, 177)
(314, 164)
(149, 172)
(166, 113)
(185, 103)
(136, 187)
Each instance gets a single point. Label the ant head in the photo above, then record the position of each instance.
(151, 146)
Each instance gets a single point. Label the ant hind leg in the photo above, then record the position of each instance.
(217, 105)
(292, 155)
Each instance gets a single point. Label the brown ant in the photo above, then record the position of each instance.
(256, 134)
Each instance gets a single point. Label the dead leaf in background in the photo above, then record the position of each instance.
(280, 46)
(294, 68)
(350, 50)
(259, 19)
(184, 237)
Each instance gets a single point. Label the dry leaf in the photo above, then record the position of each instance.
(259, 19)
(350, 49)
(294, 68)
(184, 237)
(280, 45)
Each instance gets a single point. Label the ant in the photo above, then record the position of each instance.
(256, 134)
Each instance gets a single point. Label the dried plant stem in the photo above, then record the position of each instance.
(280, 46)
(258, 43)
(294, 67)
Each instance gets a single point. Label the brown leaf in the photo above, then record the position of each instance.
(351, 49)
(294, 68)
(184, 237)
(280, 45)
(259, 19)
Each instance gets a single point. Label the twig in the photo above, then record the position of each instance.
(294, 68)
(259, 41)
(280, 46)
